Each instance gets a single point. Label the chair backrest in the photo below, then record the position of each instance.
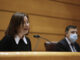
(50, 46)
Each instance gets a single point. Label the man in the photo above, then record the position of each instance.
(69, 42)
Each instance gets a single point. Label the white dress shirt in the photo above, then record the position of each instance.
(17, 39)
(69, 43)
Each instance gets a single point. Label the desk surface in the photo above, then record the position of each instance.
(39, 55)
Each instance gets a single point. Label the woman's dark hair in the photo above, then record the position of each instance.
(16, 20)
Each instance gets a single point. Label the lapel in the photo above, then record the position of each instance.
(77, 46)
(67, 48)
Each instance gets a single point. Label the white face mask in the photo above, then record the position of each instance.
(73, 37)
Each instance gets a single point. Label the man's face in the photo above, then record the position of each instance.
(71, 31)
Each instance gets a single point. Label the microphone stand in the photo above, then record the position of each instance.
(37, 43)
(38, 40)
(46, 39)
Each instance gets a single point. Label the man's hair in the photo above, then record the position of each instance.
(70, 27)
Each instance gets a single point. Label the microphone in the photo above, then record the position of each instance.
(37, 43)
(38, 36)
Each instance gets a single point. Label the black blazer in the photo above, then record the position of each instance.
(63, 46)
(8, 44)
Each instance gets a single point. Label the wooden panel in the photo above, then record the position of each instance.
(40, 24)
(39, 56)
(74, 2)
(42, 7)
(50, 25)
(4, 19)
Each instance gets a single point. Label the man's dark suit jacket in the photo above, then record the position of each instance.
(63, 46)
(8, 44)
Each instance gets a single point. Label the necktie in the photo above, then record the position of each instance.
(73, 47)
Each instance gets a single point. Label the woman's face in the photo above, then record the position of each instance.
(25, 28)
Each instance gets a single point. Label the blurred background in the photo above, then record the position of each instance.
(48, 18)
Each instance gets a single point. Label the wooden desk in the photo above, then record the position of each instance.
(39, 56)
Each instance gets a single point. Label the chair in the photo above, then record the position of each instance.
(50, 46)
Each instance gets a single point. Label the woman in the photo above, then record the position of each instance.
(15, 39)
